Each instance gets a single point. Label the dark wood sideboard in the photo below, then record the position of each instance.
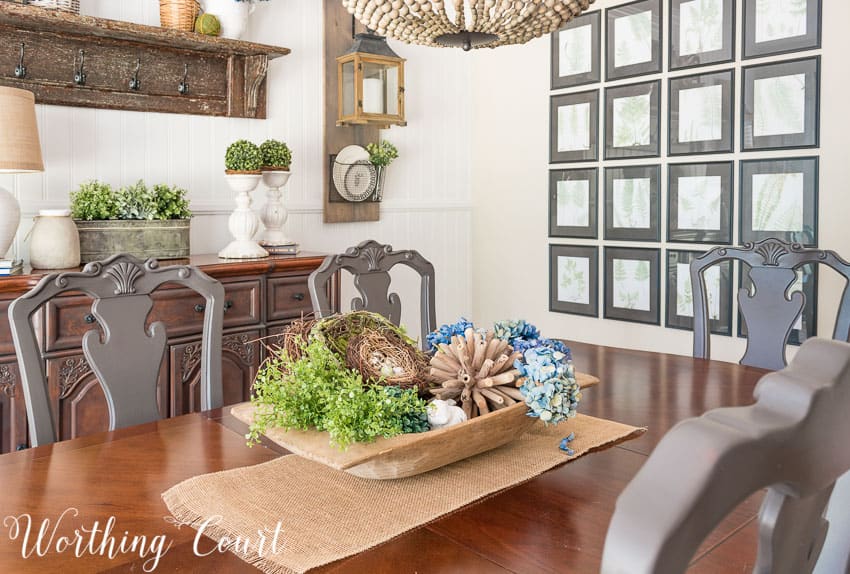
(262, 297)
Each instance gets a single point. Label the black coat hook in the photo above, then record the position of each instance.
(183, 88)
(80, 75)
(20, 69)
(135, 84)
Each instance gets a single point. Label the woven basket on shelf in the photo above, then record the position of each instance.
(72, 6)
(178, 14)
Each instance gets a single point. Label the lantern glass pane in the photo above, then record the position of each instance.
(348, 95)
(375, 88)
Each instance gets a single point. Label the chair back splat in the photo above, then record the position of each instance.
(792, 441)
(124, 356)
(769, 313)
(370, 263)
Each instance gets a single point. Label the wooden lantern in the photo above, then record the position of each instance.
(371, 84)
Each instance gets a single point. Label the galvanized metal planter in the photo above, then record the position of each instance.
(160, 239)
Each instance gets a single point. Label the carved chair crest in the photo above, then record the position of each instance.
(125, 358)
(704, 467)
(370, 262)
(769, 312)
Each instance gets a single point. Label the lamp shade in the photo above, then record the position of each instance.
(20, 150)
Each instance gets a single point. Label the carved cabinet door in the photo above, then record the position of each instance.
(13, 415)
(240, 358)
(79, 405)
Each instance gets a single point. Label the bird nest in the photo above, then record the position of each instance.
(385, 357)
(294, 339)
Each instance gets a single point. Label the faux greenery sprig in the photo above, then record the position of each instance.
(382, 154)
(276, 154)
(94, 201)
(318, 391)
(243, 155)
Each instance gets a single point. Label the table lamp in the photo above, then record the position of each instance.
(20, 152)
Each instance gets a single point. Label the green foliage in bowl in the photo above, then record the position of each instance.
(96, 201)
(276, 155)
(318, 391)
(243, 156)
(382, 154)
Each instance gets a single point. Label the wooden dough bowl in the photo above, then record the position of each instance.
(409, 454)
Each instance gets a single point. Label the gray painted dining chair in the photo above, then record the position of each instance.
(792, 441)
(770, 312)
(126, 359)
(370, 262)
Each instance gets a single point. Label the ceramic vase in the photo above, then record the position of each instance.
(10, 218)
(232, 15)
(243, 222)
(274, 215)
(54, 240)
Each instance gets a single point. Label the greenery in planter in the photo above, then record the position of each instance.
(382, 154)
(96, 201)
(276, 155)
(318, 391)
(243, 156)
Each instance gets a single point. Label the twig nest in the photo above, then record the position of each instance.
(384, 357)
(294, 339)
(476, 369)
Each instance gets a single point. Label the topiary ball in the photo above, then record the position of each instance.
(208, 25)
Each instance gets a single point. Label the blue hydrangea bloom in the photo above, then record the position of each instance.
(444, 334)
(548, 384)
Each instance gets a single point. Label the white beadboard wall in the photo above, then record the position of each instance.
(428, 199)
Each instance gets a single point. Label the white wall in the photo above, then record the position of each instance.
(427, 203)
(510, 170)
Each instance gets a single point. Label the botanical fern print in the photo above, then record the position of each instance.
(632, 117)
(778, 202)
(699, 202)
(573, 203)
(701, 114)
(633, 39)
(631, 199)
(575, 51)
(700, 26)
(779, 105)
(574, 280)
(778, 19)
(574, 127)
(631, 284)
(685, 295)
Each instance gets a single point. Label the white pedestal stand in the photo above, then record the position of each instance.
(243, 222)
(274, 215)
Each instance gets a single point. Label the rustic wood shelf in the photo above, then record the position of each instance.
(225, 77)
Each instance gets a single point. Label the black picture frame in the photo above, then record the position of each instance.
(753, 134)
(591, 153)
(688, 231)
(612, 255)
(612, 136)
(638, 68)
(589, 308)
(594, 20)
(719, 325)
(652, 212)
(691, 59)
(556, 228)
(682, 119)
(754, 192)
(809, 316)
(811, 39)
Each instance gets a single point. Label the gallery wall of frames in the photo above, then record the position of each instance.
(676, 126)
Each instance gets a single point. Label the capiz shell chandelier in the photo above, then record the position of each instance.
(465, 24)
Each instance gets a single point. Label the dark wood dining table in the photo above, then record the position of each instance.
(553, 523)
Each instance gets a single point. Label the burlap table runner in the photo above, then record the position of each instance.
(326, 515)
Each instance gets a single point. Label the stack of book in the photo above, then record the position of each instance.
(289, 249)
(11, 267)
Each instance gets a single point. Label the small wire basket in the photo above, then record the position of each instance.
(355, 182)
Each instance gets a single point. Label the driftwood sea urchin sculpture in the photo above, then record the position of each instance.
(478, 371)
